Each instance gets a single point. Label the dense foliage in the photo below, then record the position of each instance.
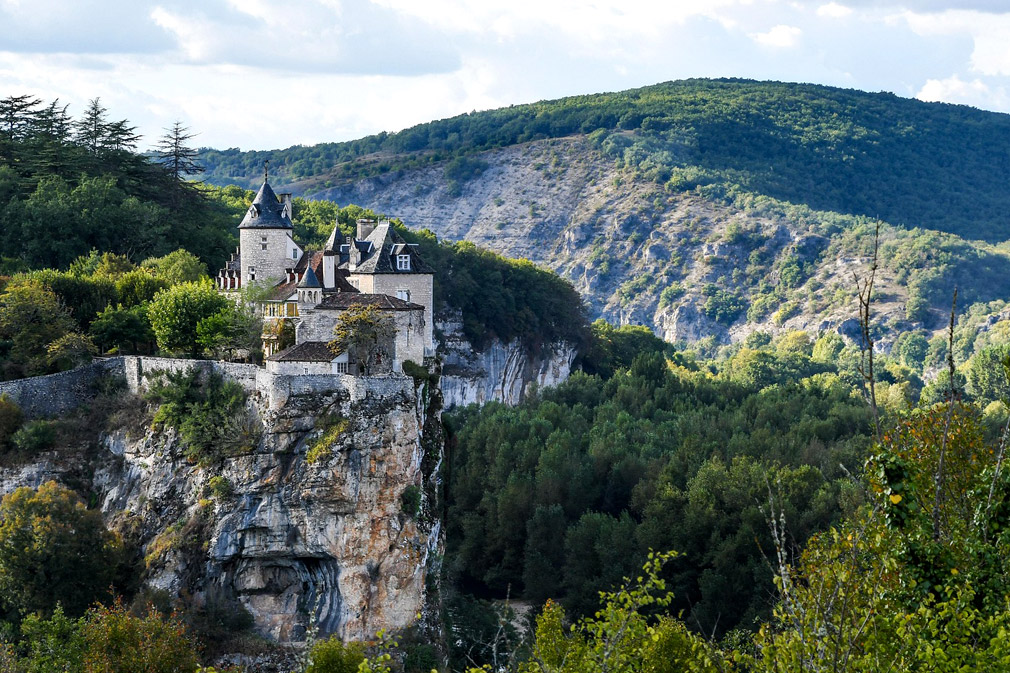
(206, 410)
(905, 161)
(53, 551)
(563, 495)
(69, 186)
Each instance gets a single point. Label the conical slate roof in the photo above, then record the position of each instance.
(309, 279)
(266, 211)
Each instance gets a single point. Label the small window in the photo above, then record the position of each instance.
(403, 294)
(403, 262)
(340, 367)
(263, 242)
(252, 273)
(305, 370)
(294, 253)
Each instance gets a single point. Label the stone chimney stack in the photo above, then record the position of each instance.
(365, 227)
(353, 254)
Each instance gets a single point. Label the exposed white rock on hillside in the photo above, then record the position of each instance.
(624, 241)
(501, 373)
(293, 537)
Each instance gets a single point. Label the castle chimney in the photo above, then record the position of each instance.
(365, 227)
(353, 254)
(286, 201)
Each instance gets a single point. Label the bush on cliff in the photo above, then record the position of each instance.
(207, 411)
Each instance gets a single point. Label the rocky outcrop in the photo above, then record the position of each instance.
(637, 253)
(500, 373)
(328, 517)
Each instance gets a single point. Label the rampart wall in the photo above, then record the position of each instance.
(56, 394)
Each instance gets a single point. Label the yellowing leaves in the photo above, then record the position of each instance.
(895, 498)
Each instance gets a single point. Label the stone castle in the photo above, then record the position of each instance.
(307, 291)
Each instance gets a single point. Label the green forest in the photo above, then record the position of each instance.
(907, 162)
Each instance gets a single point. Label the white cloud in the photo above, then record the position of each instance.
(953, 89)
(833, 10)
(779, 37)
(989, 33)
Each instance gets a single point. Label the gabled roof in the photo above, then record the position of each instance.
(338, 301)
(307, 351)
(379, 251)
(266, 211)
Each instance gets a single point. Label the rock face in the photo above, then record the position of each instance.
(317, 522)
(500, 373)
(637, 252)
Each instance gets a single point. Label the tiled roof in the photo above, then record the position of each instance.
(266, 212)
(307, 351)
(281, 292)
(338, 301)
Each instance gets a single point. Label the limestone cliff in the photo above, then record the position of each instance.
(328, 515)
(500, 373)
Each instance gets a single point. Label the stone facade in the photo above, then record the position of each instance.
(418, 289)
(267, 254)
(409, 341)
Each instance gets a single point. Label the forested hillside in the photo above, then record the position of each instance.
(703, 209)
(907, 162)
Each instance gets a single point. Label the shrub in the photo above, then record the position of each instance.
(207, 411)
(118, 642)
(333, 656)
(333, 426)
(410, 500)
(220, 487)
(11, 419)
(35, 437)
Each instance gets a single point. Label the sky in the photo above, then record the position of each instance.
(264, 74)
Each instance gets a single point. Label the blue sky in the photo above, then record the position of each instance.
(261, 74)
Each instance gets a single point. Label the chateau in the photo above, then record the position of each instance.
(306, 292)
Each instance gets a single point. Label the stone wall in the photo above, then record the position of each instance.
(139, 370)
(55, 394)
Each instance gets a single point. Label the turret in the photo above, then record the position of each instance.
(310, 291)
(267, 248)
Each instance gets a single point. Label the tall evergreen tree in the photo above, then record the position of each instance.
(17, 114)
(175, 155)
(92, 127)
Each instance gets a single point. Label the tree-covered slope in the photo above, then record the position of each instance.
(907, 162)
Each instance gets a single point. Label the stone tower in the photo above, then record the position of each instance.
(267, 250)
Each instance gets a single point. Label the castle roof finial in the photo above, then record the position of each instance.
(266, 170)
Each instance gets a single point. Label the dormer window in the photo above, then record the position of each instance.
(403, 262)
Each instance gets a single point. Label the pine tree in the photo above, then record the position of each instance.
(92, 127)
(52, 150)
(175, 155)
(17, 114)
